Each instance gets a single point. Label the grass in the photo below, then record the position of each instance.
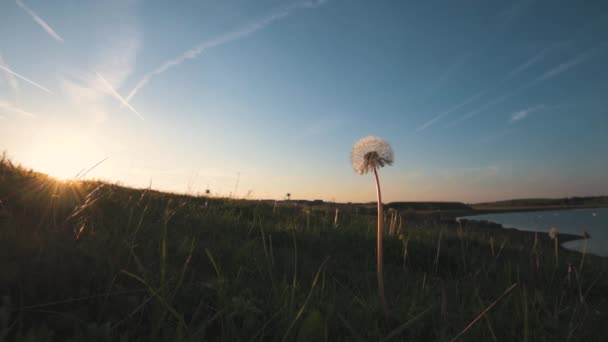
(99, 262)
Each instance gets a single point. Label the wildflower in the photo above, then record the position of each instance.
(370, 154)
(553, 236)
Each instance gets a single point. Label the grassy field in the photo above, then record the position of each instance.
(90, 261)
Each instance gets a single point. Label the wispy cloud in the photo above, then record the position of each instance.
(237, 34)
(519, 69)
(318, 127)
(563, 67)
(25, 79)
(10, 79)
(456, 64)
(510, 15)
(40, 21)
(487, 105)
(12, 108)
(114, 58)
(522, 114)
(451, 110)
(116, 95)
(469, 172)
(566, 65)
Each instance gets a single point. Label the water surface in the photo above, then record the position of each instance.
(575, 221)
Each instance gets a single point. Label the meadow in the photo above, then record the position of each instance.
(93, 261)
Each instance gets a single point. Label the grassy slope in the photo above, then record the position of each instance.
(93, 261)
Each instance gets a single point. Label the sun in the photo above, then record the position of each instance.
(63, 156)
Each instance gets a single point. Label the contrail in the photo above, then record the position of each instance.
(40, 22)
(17, 110)
(224, 39)
(535, 59)
(453, 109)
(565, 66)
(117, 95)
(25, 79)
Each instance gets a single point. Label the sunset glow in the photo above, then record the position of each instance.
(478, 105)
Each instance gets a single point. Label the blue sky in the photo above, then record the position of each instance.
(481, 100)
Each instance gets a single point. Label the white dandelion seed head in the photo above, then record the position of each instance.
(370, 153)
(553, 233)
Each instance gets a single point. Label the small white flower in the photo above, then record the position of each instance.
(371, 153)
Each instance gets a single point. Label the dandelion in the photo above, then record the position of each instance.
(553, 233)
(307, 211)
(370, 154)
(553, 236)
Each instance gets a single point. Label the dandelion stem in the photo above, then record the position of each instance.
(379, 245)
(580, 268)
(556, 252)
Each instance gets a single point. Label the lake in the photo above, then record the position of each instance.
(575, 221)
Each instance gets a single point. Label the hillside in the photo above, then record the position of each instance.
(534, 203)
(91, 261)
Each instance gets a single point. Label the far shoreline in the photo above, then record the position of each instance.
(490, 225)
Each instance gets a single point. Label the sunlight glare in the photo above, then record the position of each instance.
(63, 156)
